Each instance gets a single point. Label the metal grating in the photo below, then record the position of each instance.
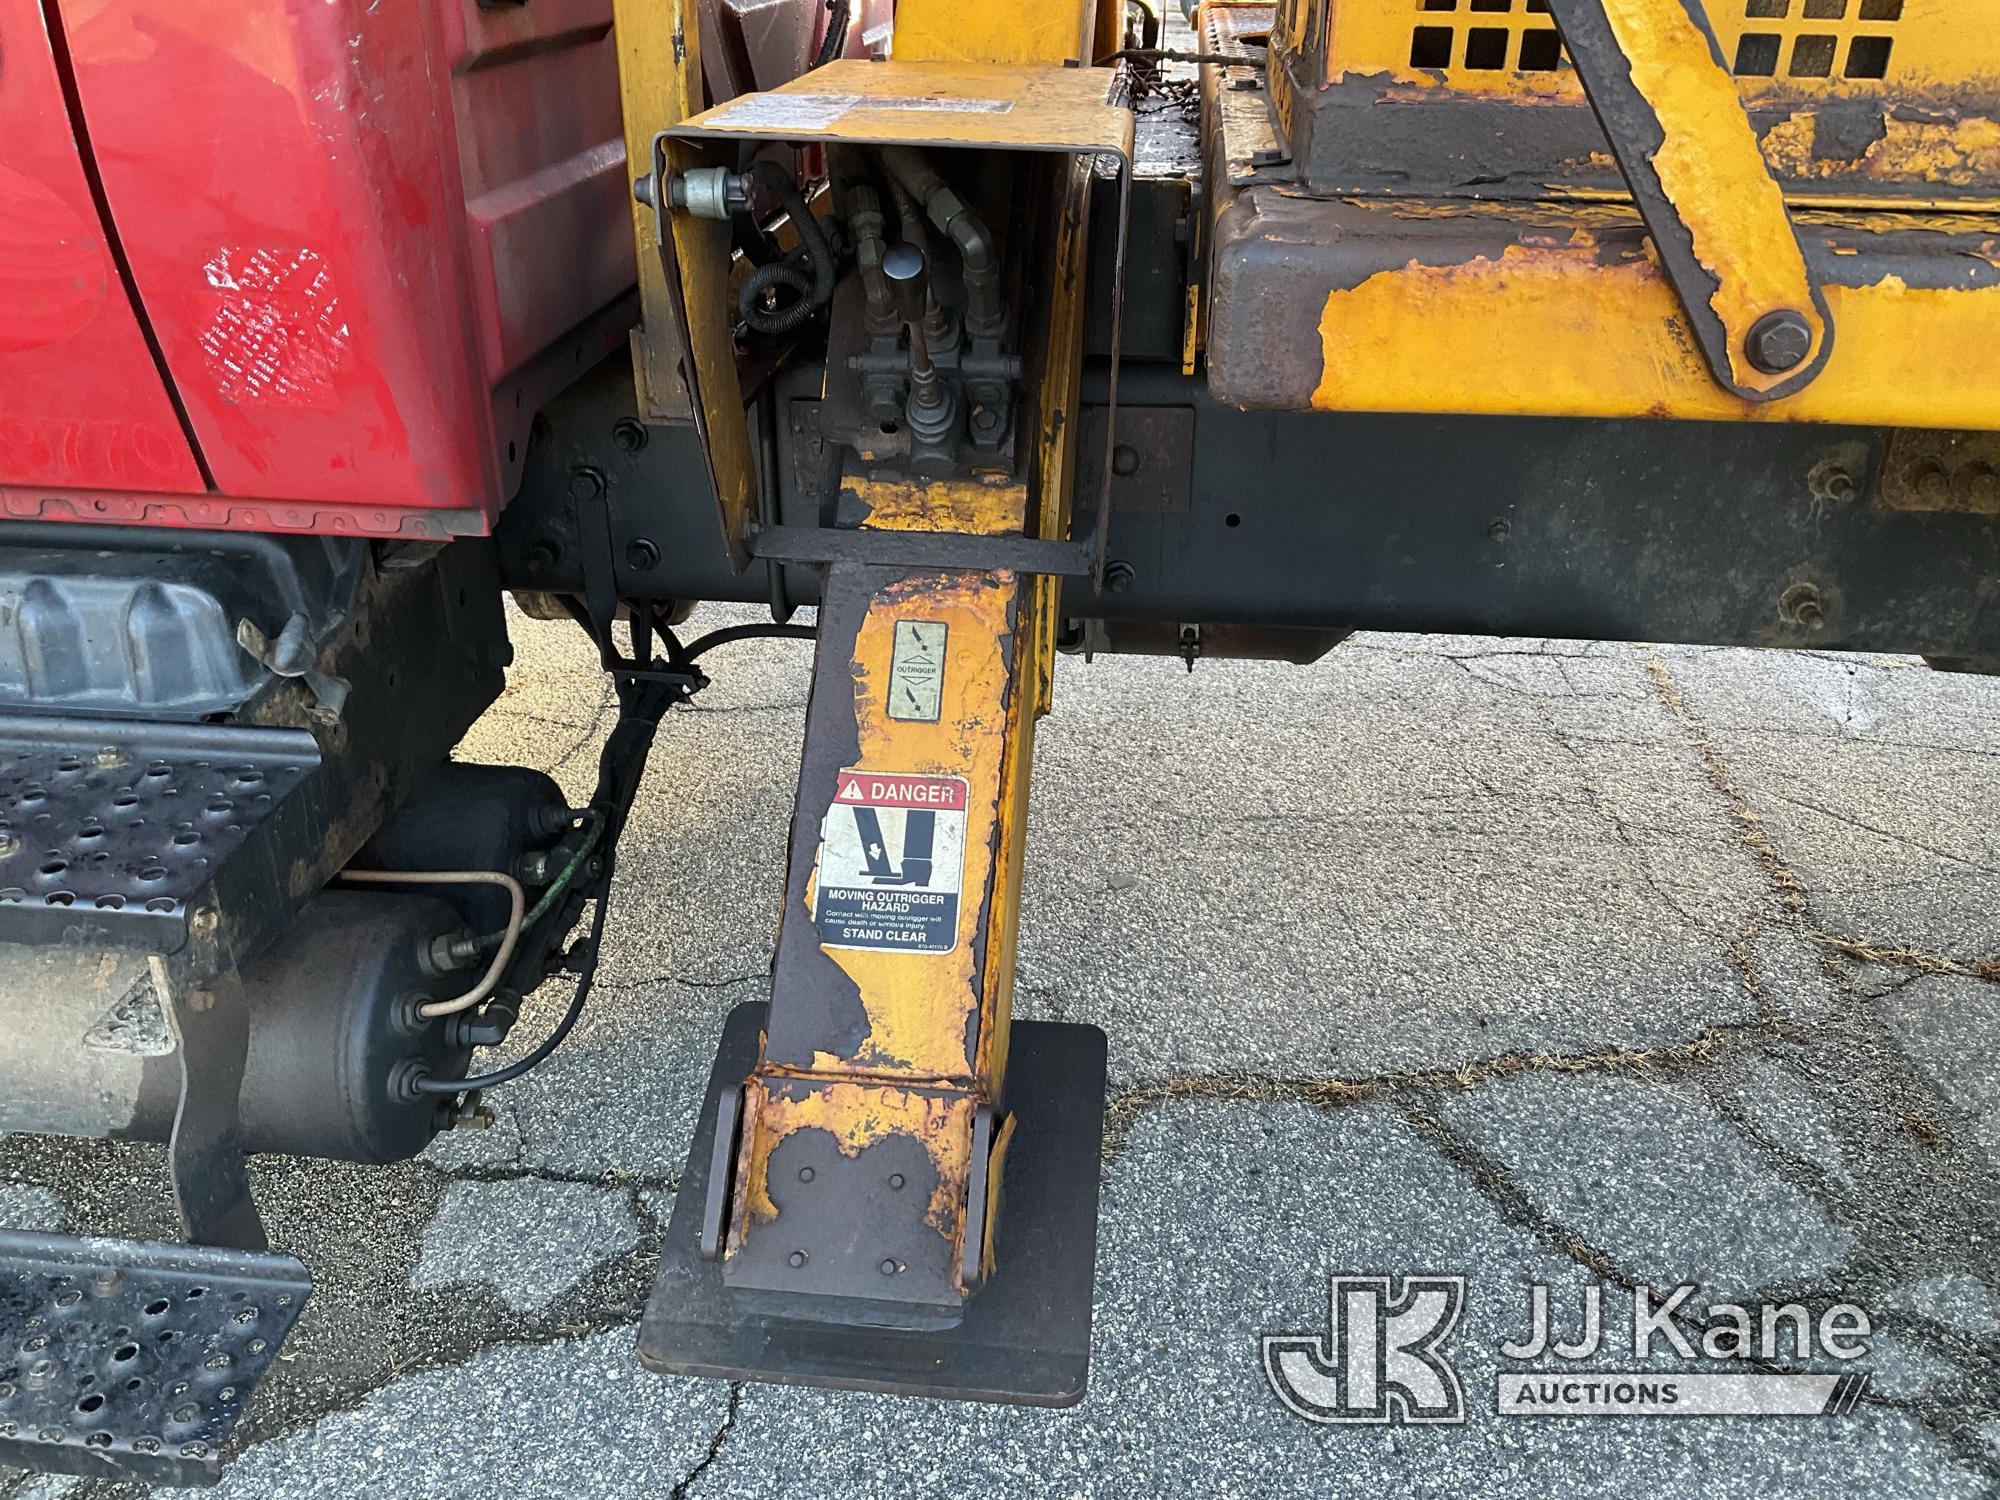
(124, 1359)
(1490, 36)
(1807, 40)
(115, 824)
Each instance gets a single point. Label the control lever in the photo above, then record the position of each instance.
(931, 409)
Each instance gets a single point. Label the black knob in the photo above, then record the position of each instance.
(909, 282)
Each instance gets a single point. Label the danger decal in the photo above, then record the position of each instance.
(892, 862)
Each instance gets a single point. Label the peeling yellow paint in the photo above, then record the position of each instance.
(1714, 174)
(1611, 341)
(990, 506)
(1943, 153)
(857, 1115)
(918, 1004)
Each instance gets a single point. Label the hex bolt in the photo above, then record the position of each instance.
(1119, 577)
(1930, 481)
(585, 483)
(1831, 481)
(796, 1259)
(1981, 488)
(628, 435)
(1500, 529)
(1780, 342)
(1801, 605)
(641, 555)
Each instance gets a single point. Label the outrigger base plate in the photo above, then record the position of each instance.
(1025, 1337)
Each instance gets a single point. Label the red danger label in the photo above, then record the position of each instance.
(885, 789)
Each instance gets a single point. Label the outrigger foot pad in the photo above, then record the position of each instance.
(1024, 1338)
(126, 1359)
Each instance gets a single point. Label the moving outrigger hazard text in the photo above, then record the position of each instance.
(891, 862)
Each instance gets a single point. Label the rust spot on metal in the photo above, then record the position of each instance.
(1941, 471)
(857, 1115)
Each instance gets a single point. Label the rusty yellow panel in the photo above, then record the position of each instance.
(1714, 176)
(1959, 153)
(990, 506)
(931, 104)
(1035, 640)
(857, 1115)
(697, 255)
(918, 1004)
(1557, 332)
(659, 72)
(1873, 48)
(1046, 32)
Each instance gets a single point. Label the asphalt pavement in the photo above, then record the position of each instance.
(1531, 962)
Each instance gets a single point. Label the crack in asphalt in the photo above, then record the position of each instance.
(1125, 1108)
(1888, 1246)
(680, 1491)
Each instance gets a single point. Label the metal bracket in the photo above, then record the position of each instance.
(1670, 106)
(1066, 111)
(211, 1181)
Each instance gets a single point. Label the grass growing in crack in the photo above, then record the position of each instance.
(1791, 890)
(1128, 1104)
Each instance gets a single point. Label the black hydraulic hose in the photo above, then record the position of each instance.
(835, 41)
(620, 765)
(976, 250)
(701, 645)
(812, 295)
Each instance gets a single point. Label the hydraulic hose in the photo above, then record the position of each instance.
(835, 40)
(950, 213)
(813, 294)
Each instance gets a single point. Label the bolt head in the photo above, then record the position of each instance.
(1119, 577)
(1801, 605)
(796, 1259)
(805, 1174)
(1780, 342)
(888, 1268)
(641, 555)
(585, 483)
(896, 1180)
(1124, 461)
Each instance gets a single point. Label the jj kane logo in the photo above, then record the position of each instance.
(1384, 1357)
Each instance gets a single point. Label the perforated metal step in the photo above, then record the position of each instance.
(110, 831)
(133, 1360)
